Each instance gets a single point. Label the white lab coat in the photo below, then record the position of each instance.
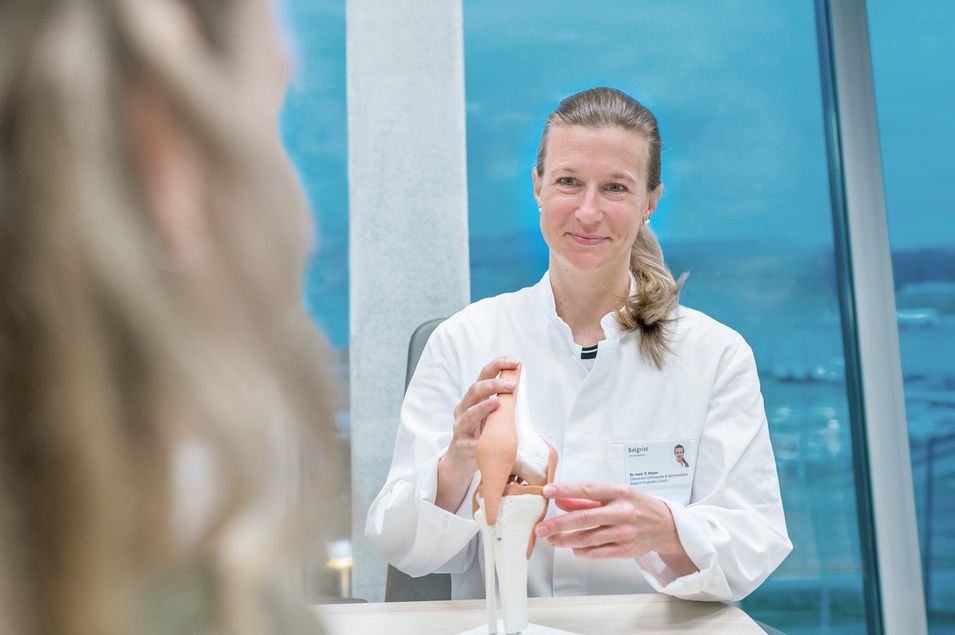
(730, 522)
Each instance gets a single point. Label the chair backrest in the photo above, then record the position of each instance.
(401, 587)
(416, 346)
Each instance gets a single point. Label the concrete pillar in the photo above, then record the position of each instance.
(408, 239)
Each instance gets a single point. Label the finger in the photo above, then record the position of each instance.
(574, 504)
(586, 538)
(615, 550)
(470, 422)
(574, 521)
(481, 390)
(590, 490)
(496, 365)
(487, 387)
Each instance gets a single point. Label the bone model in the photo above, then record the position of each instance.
(515, 464)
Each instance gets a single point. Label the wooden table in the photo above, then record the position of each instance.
(592, 614)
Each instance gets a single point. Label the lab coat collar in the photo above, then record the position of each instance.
(612, 331)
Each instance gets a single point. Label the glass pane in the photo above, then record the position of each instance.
(913, 47)
(746, 211)
(313, 124)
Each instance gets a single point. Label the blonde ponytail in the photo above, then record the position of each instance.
(648, 309)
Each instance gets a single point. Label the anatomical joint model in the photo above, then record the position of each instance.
(515, 464)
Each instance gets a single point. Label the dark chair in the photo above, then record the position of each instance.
(401, 587)
(416, 346)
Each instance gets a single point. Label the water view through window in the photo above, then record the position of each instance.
(746, 212)
(313, 125)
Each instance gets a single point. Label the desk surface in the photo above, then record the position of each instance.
(592, 614)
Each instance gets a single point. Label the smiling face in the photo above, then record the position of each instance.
(593, 196)
(678, 453)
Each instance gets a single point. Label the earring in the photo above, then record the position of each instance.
(646, 221)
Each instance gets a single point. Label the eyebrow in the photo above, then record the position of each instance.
(622, 176)
(615, 175)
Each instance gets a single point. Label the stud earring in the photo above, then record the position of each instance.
(646, 221)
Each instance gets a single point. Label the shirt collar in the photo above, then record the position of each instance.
(611, 329)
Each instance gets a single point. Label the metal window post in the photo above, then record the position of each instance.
(885, 498)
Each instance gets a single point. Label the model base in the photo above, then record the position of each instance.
(532, 629)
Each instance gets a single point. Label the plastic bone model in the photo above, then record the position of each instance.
(515, 464)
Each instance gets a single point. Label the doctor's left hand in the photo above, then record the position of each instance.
(608, 520)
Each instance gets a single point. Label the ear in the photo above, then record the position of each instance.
(169, 169)
(654, 200)
(166, 161)
(536, 180)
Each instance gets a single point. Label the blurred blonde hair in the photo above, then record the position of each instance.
(112, 353)
(657, 294)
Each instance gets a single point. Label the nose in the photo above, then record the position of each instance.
(588, 210)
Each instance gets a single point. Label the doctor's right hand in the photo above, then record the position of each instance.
(458, 465)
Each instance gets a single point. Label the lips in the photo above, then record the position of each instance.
(584, 239)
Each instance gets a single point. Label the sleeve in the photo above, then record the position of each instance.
(403, 523)
(734, 529)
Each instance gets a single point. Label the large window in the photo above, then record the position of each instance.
(313, 125)
(913, 47)
(746, 211)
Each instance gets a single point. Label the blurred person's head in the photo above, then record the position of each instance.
(152, 236)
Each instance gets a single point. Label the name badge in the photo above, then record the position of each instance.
(661, 467)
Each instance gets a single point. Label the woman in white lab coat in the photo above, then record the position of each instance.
(617, 375)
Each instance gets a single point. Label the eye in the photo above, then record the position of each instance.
(616, 188)
(566, 181)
